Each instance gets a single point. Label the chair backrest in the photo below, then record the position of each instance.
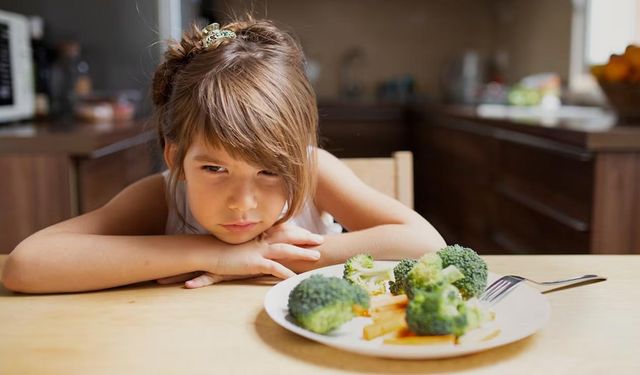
(392, 176)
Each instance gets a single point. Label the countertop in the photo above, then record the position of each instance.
(73, 137)
(587, 128)
(223, 329)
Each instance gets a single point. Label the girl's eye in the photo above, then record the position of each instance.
(268, 173)
(213, 168)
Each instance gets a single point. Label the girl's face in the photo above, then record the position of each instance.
(233, 200)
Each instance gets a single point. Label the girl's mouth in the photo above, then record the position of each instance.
(240, 226)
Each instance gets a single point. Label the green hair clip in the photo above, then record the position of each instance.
(212, 32)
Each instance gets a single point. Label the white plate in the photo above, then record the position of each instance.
(520, 314)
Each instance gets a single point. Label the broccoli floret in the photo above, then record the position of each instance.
(439, 311)
(476, 313)
(361, 300)
(428, 274)
(322, 304)
(472, 267)
(361, 270)
(400, 273)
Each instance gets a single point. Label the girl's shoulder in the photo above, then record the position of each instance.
(328, 165)
(325, 158)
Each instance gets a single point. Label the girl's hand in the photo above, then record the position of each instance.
(285, 237)
(200, 279)
(259, 256)
(292, 234)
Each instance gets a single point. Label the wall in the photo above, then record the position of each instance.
(397, 37)
(420, 37)
(416, 37)
(535, 34)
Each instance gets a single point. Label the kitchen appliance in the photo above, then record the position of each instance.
(16, 72)
(463, 78)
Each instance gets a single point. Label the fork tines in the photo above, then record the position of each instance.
(499, 288)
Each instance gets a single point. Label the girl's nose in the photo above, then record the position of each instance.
(242, 198)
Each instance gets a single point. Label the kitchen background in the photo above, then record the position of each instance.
(372, 40)
(390, 75)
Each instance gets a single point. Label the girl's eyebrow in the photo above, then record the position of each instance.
(207, 158)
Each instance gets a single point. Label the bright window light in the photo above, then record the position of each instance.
(611, 26)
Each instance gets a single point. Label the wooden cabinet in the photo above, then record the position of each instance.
(454, 177)
(100, 178)
(544, 199)
(361, 130)
(500, 188)
(53, 176)
(34, 193)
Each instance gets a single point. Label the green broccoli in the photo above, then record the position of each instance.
(472, 267)
(428, 274)
(439, 311)
(361, 270)
(477, 314)
(400, 272)
(322, 304)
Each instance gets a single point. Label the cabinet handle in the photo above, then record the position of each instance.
(543, 209)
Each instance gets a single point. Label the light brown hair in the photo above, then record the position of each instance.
(248, 95)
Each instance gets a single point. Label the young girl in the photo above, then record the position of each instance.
(246, 187)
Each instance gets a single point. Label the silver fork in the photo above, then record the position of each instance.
(501, 287)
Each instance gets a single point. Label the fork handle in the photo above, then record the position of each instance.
(571, 281)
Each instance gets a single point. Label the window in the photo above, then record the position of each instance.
(599, 28)
(611, 25)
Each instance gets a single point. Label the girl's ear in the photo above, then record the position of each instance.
(170, 150)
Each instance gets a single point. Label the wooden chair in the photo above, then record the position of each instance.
(392, 176)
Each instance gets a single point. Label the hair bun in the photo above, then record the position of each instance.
(177, 55)
(161, 86)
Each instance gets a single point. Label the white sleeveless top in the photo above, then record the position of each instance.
(308, 218)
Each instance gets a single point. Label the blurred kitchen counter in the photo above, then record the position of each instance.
(53, 171)
(505, 180)
(586, 128)
(71, 137)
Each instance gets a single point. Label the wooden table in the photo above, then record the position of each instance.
(223, 329)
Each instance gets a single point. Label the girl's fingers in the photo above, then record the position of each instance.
(207, 279)
(238, 277)
(295, 235)
(287, 251)
(276, 269)
(178, 278)
(277, 228)
(307, 238)
(203, 280)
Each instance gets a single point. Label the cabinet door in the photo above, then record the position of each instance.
(101, 178)
(454, 183)
(34, 193)
(544, 197)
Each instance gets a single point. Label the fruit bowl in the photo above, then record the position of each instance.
(624, 98)
(619, 79)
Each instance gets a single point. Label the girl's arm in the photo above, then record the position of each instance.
(378, 224)
(122, 243)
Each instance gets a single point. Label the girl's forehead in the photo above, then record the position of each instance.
(201, 150)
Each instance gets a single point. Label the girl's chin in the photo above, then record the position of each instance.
(236, 238)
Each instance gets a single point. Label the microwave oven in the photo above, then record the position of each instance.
(16, 72)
